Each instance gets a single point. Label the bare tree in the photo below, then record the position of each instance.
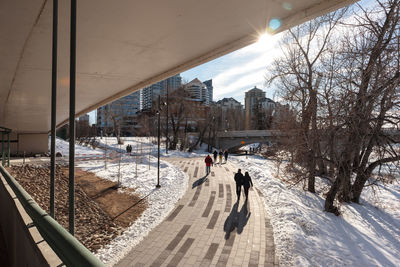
(298, 76)
(179, 112)
(370, 76)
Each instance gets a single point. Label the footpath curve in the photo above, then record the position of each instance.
(208, 227)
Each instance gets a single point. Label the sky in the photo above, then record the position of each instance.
(239, 71)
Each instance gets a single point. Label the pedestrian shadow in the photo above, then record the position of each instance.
(236, 219)
(199, 181)
(244, 216)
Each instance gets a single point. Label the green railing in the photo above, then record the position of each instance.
(5, 152)
(67, 248)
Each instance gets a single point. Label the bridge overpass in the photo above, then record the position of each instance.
(236, 139)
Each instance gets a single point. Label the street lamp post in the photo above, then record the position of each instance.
(158, 144)
(166, 128)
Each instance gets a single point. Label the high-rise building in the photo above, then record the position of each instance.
(150, 93)
(119, 114)
(230, 114)
(84, 118)
(229, 103)
(210, 88)
(252, 99)
(198, 91)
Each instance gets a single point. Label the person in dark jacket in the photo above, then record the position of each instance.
(226, 155)
(239, 182)
(208, 162)
(220, 156)
(215, 155)
(247, 183)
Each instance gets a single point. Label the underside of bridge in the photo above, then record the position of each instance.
(122, 46)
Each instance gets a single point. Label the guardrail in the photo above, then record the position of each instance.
(249, 133)
(66, 246)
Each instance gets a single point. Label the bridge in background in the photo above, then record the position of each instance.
(236, 139)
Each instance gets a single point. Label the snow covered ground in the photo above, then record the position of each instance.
(161, 201)
(305, 235)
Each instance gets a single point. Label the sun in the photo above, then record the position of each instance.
(266, 40)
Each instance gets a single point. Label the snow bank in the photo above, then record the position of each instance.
(305, 235)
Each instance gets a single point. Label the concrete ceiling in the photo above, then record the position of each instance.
(122, 46)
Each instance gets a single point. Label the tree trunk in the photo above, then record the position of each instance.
(330, 197)
(311, 171)
(345, 175)
(358, 186)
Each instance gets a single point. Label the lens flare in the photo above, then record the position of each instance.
(287, 6)
(274, 24)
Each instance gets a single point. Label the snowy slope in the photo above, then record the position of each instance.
(305, 235)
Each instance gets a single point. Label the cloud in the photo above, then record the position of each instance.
(242, 76)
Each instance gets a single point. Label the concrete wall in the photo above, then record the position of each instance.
(32, 144)
(24, 246)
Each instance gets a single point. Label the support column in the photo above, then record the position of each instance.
(72, 79)
(53, 108)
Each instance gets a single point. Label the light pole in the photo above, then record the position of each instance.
(158, 144)
(166, 128)
(212, 125)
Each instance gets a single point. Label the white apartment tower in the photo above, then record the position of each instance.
(198, 91)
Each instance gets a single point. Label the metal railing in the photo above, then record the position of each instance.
(66, 246)
(5, 152)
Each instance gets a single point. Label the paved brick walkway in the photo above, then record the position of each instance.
(209, 227)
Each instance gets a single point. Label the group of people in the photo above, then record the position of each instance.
(220, 154)
(209, 162)
(240, 179)
(128, 148)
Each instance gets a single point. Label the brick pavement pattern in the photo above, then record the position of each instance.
(208, 226)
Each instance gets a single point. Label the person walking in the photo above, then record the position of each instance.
(226, 155)
(220, 156)
(208, 162)
(239, 182)
(215, 155)
(247, 183)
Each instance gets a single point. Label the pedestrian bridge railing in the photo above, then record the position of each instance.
(65, 245)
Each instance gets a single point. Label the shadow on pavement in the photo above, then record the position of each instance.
(236, 219)
(199, 181)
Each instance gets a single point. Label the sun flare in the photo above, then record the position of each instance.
(266, 40)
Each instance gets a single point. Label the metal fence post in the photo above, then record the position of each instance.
(2, 148)
(8, 152)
